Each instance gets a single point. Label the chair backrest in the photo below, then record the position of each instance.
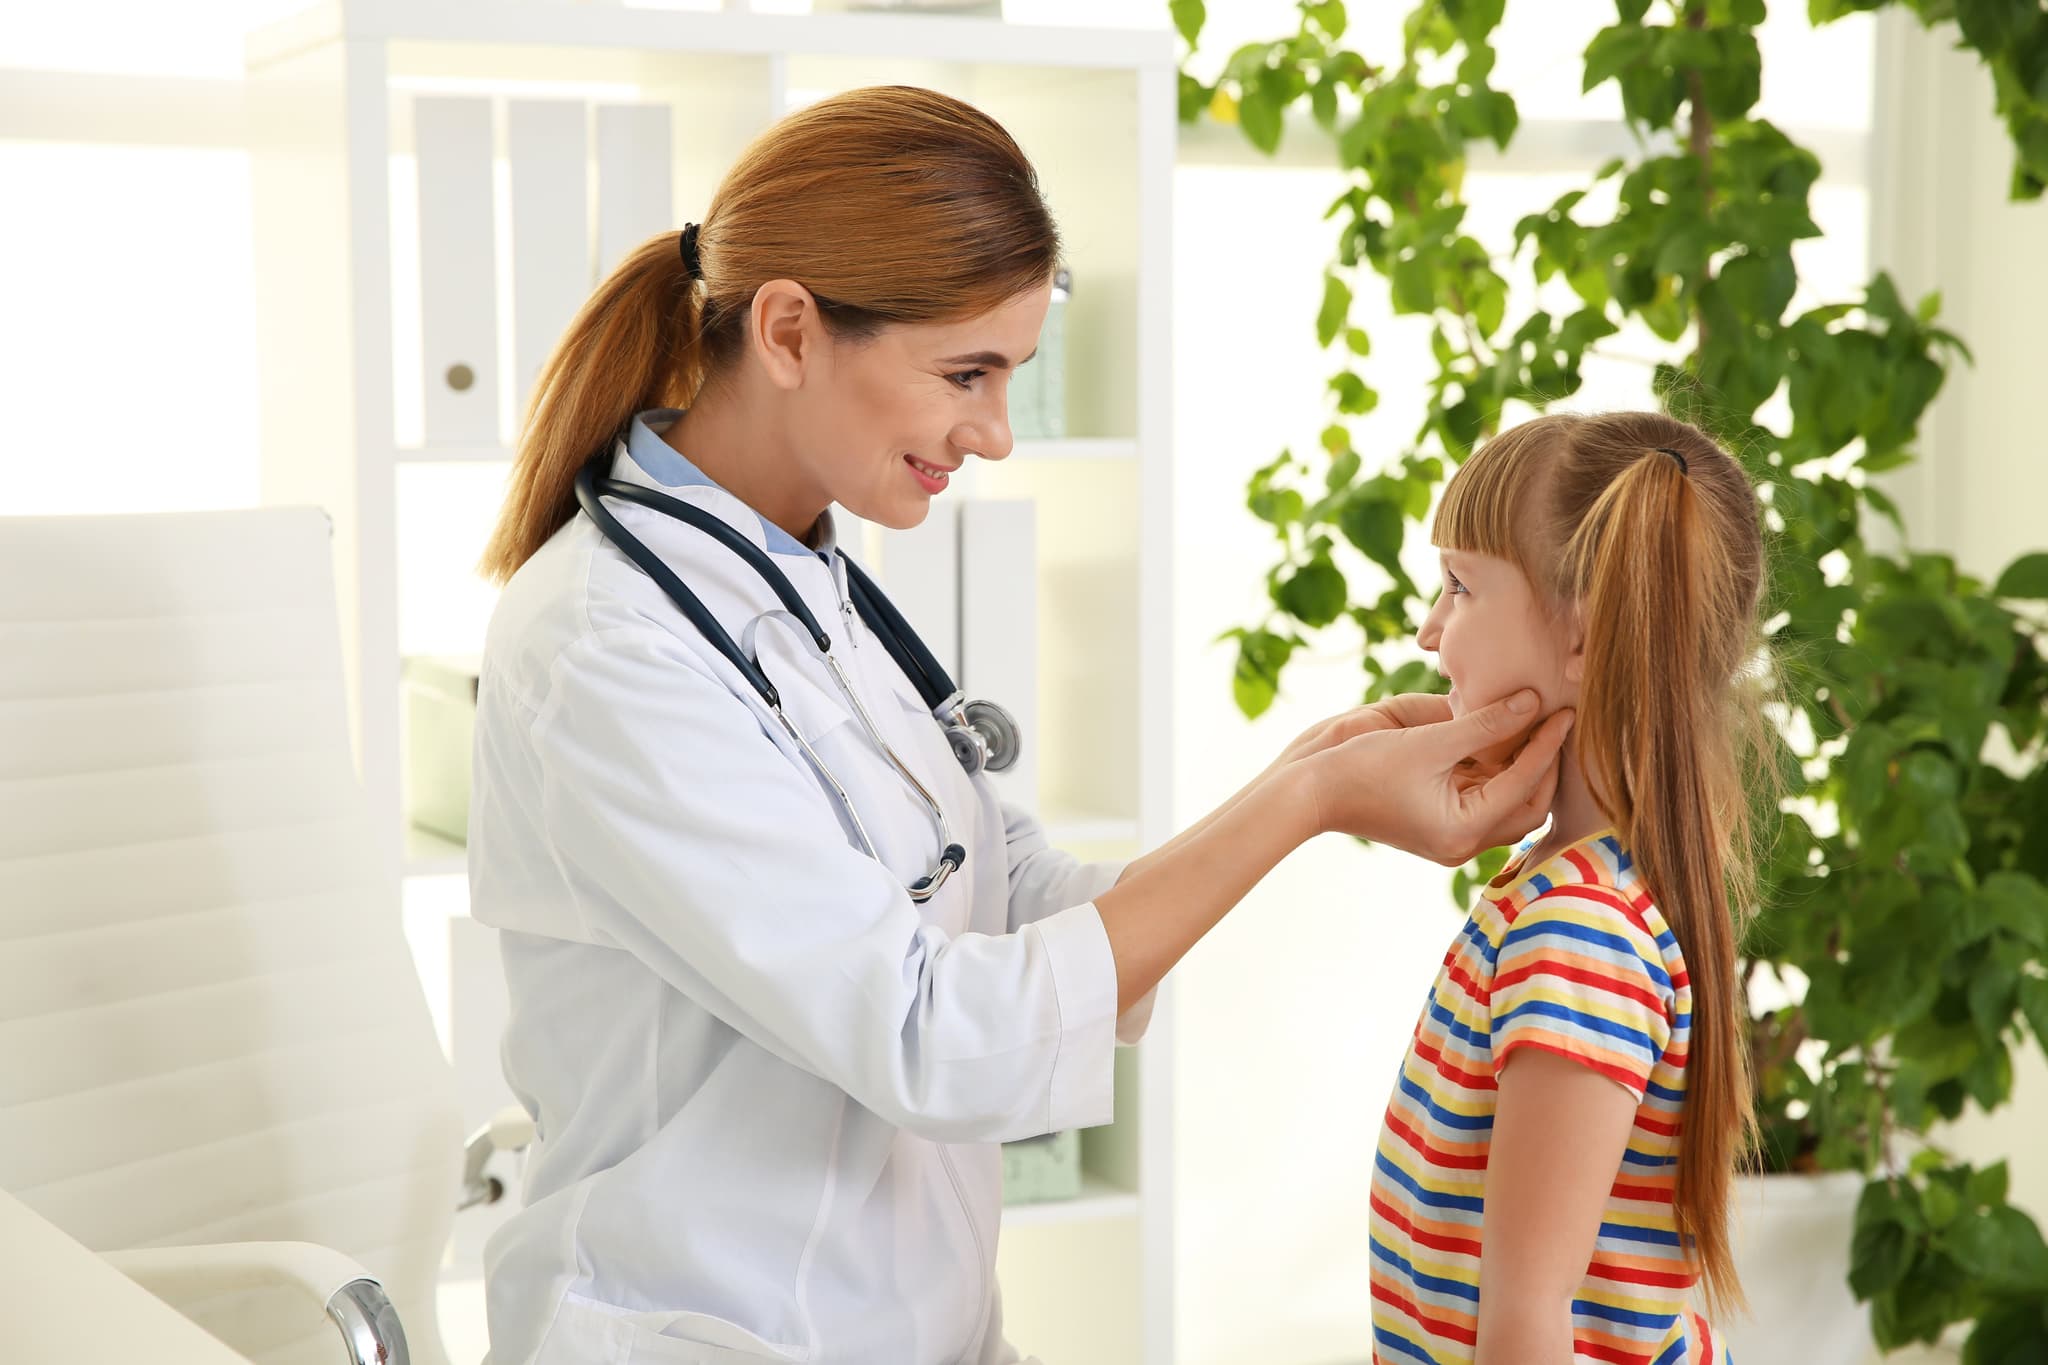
(211, 1029)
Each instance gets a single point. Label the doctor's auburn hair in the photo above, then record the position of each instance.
(1653, 534)
(891, 204)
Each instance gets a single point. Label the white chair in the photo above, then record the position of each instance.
(216, 1064)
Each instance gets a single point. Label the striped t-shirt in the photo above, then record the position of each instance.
(1571, 957)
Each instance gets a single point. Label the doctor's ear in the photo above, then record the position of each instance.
(787, 331)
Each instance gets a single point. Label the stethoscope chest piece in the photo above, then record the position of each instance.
(984, 737)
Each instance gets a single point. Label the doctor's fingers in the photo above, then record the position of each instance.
(1408, 709)
(1490, 733)
(1515, 800)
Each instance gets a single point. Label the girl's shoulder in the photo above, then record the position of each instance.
(1592, 884)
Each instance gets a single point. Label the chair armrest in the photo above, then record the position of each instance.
(347, 1293)
(511, 1129)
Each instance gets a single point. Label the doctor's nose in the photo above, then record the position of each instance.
(989, 438)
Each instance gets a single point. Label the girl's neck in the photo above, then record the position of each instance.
(1574, 814)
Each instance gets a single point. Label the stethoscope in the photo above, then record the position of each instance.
(983, 736)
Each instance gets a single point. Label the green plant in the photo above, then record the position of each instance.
(1907, 914)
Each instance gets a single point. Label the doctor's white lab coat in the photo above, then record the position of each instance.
(769, 1087)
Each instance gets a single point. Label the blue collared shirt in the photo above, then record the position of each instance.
(660, 461)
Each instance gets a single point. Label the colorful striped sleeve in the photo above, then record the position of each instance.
(1580, 974)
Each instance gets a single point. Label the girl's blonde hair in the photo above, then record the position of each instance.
(1653, 534)
(891, 205)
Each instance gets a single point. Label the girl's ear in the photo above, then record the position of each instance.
(1575, 645)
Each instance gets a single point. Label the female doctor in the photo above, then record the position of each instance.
(783, 971)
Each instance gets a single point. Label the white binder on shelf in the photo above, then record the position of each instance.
(547, 150)
(452, 137)
(999, 625)
(635, 177)
(920, 570)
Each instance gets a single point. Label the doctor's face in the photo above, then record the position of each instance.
(1494, 634)
(891, 418)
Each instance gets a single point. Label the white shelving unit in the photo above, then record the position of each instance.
(332, 98)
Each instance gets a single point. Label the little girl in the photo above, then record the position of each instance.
(1552, 1179)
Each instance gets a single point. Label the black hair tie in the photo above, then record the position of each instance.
(1683, 468)
(693, 265)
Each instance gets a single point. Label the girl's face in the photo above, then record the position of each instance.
(1494, 634)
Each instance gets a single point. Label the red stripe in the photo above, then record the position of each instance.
(1435, 1326)
(1466, 1246)
(1629, 1080)
(1430, 1152)
(1584, 976)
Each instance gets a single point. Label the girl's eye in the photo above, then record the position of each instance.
(965, 378)
(1454, 586)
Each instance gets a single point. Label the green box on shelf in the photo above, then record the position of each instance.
(1038, 391)
(440, 721)
(1040, 1169)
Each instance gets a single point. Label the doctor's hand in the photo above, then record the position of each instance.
(1406, 772)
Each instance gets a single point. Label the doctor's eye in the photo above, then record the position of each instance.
(965, 378)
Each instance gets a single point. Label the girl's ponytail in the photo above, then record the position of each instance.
(1661, 744)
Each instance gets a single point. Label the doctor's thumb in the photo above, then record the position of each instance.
(1491, 726)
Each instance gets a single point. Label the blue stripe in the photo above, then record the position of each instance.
(1660, 1322)
(1621, 1232)
(1408, 1349)
(1674, 1354)
(1476, 937)
(1454, 1026)
(1482, 1123)
(1522, 931)
(1457, 1289)
(1464, 1203)
(1592, 1023)
(1665, 1093)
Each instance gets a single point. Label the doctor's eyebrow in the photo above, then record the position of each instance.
(987, 359)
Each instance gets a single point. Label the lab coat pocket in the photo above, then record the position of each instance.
(889, 809)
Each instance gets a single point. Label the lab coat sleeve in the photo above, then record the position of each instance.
(692, 841)
(1045, 881)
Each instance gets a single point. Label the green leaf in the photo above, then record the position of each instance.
(1330, 318)
(1261, 655)
(1188, 18)
(1329, 16)
(1342, 471)
(1879, 1257)
(1414, 285)
(2026, 577)
(1358, 341)
(1315, 595)
(1614, 49)
(1259, 114)
(1989, 1185)
(1354, 396)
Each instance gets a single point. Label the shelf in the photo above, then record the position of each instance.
(538, 24)
(429, 855)
(1064, 448)
(1098, 1200)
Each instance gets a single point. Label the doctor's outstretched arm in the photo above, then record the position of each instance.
(1401, 773)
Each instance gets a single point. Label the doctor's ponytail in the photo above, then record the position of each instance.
(892, 205)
